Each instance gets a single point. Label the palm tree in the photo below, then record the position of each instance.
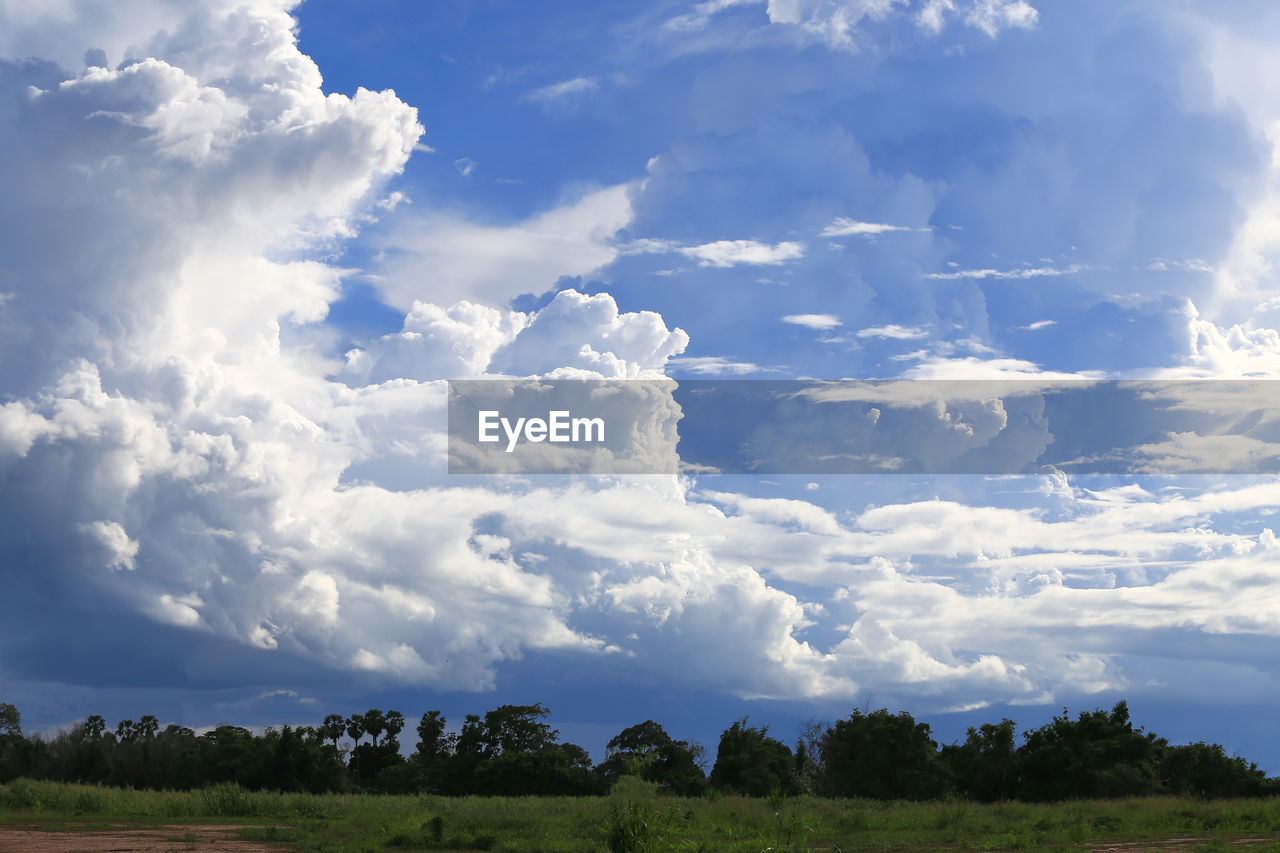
(375, 723)
(146, 728)
(94, 727)
(356, 727)
(394, 723)
(124, 731)
(334, 727)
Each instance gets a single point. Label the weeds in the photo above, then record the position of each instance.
(637, 828)
(638, 818)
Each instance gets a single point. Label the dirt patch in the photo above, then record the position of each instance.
(1173, 844)
(163, 839)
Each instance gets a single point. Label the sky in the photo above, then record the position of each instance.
(246, 244)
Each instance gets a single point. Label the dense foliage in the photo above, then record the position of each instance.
(512, 750)
(882, 755)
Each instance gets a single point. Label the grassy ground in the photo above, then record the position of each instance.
(635, 818)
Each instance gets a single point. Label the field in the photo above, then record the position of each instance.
(634, 818)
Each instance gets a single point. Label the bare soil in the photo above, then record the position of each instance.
(177, 838)
(1173, 844)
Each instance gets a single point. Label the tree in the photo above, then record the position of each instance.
(375, 723)
(394, 723)
(1204, 770)
(146, 728)
(1096, 755)
(471, 739)
(516, 728)
(639, 740)
(647, 751)
(355, 727)
(882, 756)
(676, 767)
(750, 762)
(10, 721)
(985, 766)
(94, 727)
(14, 748)
(431, 736)
(561, 769)
(372, 761)
(334, 727)
(808, 756)
(125, 731)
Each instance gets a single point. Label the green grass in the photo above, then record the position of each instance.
(636, 819)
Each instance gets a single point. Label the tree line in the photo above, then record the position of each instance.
(512, 750)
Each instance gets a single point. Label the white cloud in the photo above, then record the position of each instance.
(210, 449)
(893, 332)
(728, 253)
(973, 367)
(845, 227)
(436, 342)
(441, 259)
(715, 366)
(176, 611)
(170, 436)
(587, 334)
(1239, 351)
(1236, 55)
(1190, 265)
(832, 22)
(722, 253)
(932, 15)
(836, 22)
(1027, 272)
(121, 551)
(702, 13)
(576, 87)
(813, 321)
(992, 16)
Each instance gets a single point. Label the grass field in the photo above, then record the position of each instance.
(636, 818)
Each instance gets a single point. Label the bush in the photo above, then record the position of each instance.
(227, 800)
(637, 828)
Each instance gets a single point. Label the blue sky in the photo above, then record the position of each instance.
(247, 243)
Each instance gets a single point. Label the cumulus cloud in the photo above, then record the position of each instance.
(586, 336)
(435, 342)
(120, 549)
(210, 449)
(175, 446)
(241, 490)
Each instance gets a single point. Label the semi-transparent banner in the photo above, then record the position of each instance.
(861, 427)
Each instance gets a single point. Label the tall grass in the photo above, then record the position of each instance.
(637, 819)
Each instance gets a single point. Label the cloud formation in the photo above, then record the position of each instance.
(836, 23)
(186, 445)
(813, 321)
